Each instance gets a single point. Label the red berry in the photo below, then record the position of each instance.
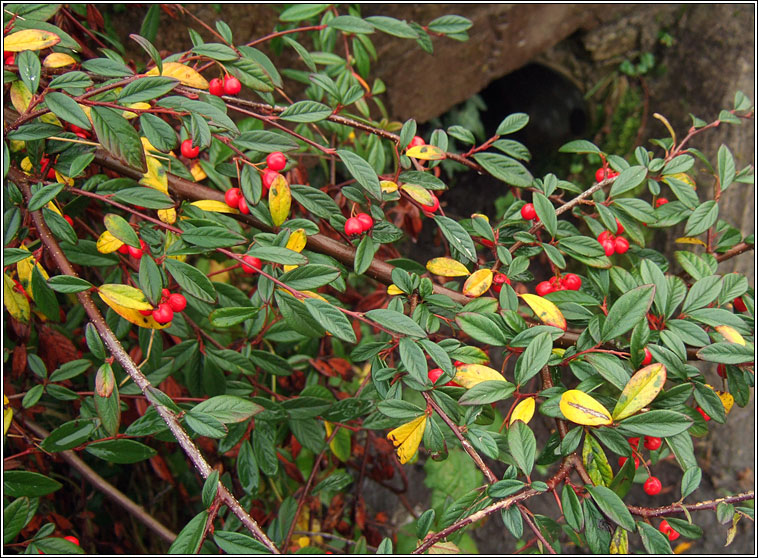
(634, 442)
(163, 314)
(599, 174)
(739, 304)
(620, 227)
(498, 280)
(666, 529)
(648, 357)
(177, 302)
(216, 87)
(622, 460)
(653, 442)
(353, 226)
(232, 197)
(146, 312)
(703, 414)
(544, 288)
(268, 178)
(603, 236)
(232, 85)
(188, 150)
(10, 58)
(721, 369)
(622, 245)
(69, 220)
(434, 374)
(528, 212)
(242, 206)
(416, 142)
(365, 220)
(253, 261)
(609, 247)
(165, 293)
(276, 161)
(652, 486)
(72, 540)
(135, 253)
(429, 209)
(572, 281)
(123, 249)
(661, 201)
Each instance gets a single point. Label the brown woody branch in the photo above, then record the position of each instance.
(679, 508)
(123, 358)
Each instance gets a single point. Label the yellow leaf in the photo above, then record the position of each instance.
(297, 240)
(545, 310)
(215, 206)
(426, 153)
(689, 240)
(558, 351)
(279, 200)
(197, 172)
(124, 295)
(108, 243)
(682, 547)
(619, 541)
(408, 437)
(24, 270)
(447, 267)
(311, 294)
(421, 195)
(183, 73)
(147, 146)
(215, 267)
(20, 96)
(7, 414)
(54, 208)
(478, 283)
(480, 216)
(388, 186)
(30, 39)
(731, 334)
(140, 105)
(168, 216)
(17, 145)
(15, 302)
(134, 316)
(580, 408)
(640, 390)
(727, 400)
(58, 60)
(394, 290)
(524, 411)
(63, 179)
(684, 177)
(469, 375)
(155, 177)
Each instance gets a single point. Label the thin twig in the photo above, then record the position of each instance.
(535, 529)
(677, 508)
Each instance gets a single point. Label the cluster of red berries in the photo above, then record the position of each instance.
(188, 150)
(230, 85)
(275, 162)
(528, 212)
(255, 264)
(135, 253)
(234, 199)
(359, 224)
(170, 303)
(46, 168)
(652, 485)
(602, 173)
(435, 373)
(613, 244)
(660, 201)
(568, 282)
(498, 280)
(667, 530)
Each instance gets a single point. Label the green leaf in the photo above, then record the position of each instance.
(216, 51)
(206, 425)
(536, 355)
(118, 137)
(314, 200)
(121, 229)
(630, 308)
(191, 536)
(505, 488)
(449, 24)
(41, 197)
(572, 508)
(191, 280)
(351, 24)
(146, 89)
(210, 487)
(612, 506)
(727, 353)
(482, 327)
(212, 237)
(414, 360)
(44, 297)
(161, 136)
(228, 408)
(69, 435)
(726, 167)
(505, 168)
(512, 123)
(331, 319)
(579, 146)
(395, 321)
(148, 31)
(364, 254)
(457, 236)
(299, 12)
(121, 451)
(215, 115)
(487, 392)
(596, 462)
(659, 422)
(363, 173)
(307, 111)
(230, 316)
(392, 26)
(311, 276)
(65, 108)
(653, 540)
(29, 69)
(628, 179)
(75, 80)
(265, 141)
(546, 213)
(277, 254)
(26, 483)
(15, 517)
(691, 481)
(106, 67)
(522, 445)
(238, 543)
(702, 219)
